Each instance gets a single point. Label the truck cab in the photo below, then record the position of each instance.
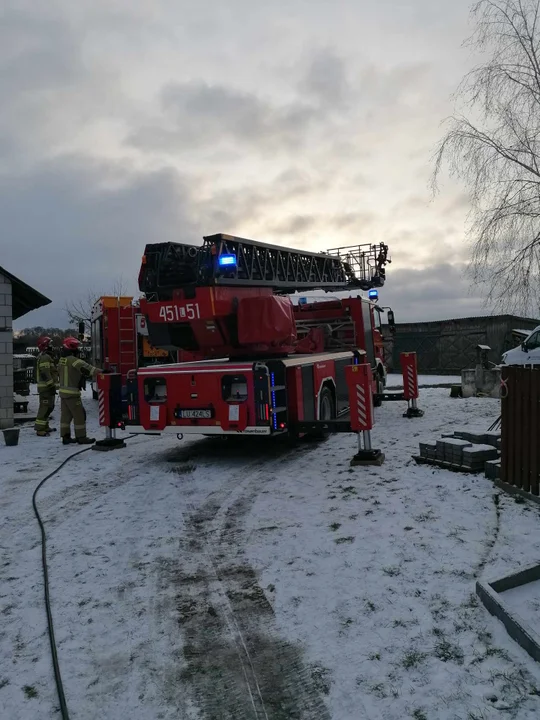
(527, 353)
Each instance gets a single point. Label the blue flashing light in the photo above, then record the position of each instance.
(274, 414)
(227, 261)
(373, 294)
(302, 301)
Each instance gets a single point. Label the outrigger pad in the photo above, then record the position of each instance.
(413, 413)
(108, 444)
(368, 457)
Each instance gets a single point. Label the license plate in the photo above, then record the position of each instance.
(194, 414)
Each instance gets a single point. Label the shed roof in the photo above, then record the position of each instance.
(24, 298)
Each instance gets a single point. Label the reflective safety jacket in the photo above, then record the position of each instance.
(73, 371)
(46, 373)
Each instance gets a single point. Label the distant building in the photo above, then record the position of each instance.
(16, 299)
(448, 346)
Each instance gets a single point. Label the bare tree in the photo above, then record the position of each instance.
(80, 310)
(496, 151)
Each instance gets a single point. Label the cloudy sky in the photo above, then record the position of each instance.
(308, 123)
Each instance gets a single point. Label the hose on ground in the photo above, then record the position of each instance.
(52, 641)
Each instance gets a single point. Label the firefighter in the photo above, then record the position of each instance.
(73, 373)
(47, 380)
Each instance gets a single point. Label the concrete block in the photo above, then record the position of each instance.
(450, 449)
(493, 469)
(491, 438)
(476, 456)
(6, 402)
(474, 438)
(428, 449)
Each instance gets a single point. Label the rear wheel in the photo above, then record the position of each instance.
(326, 412)
(377, 402)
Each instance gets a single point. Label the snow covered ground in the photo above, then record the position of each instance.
(203, 579)
(396, 380)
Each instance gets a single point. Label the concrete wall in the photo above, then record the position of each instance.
(6, 354)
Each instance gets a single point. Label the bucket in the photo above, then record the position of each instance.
(11, 436)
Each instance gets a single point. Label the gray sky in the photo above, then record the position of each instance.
(302, 122)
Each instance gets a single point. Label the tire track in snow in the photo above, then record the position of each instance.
(235, 663)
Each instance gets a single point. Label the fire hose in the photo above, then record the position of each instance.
(50, 625)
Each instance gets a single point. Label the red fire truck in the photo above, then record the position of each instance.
(261, 364)
(119, 338)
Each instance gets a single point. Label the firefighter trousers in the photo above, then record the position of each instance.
(72, 410)
(46, 406)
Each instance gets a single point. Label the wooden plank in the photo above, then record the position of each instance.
(514, 397)
(534, 428)
(519, 439)
(526, 414)
(505, 431)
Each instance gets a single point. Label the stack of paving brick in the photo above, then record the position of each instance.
(464, 451)
(476, 456)
(450, 450)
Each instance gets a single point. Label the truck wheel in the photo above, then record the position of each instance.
(380, 389)
(327, 412)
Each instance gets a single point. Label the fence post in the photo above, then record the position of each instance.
(360, 383)
(409, 368)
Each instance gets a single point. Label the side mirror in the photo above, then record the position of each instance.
(524, 346)
(391, 321)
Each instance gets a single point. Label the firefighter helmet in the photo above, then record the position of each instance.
(71, 343)
(44, 343)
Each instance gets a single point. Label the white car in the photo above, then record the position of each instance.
(528, 353)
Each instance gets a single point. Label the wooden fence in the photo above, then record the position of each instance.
(520, 428)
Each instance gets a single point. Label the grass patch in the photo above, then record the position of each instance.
(343, 540)
(392, 570)
(412, 659)
(30, 691)
(370, 606)
(419, 714)
(379, 690)
(3, 683)
(448, 652)
(374, 656)
(470, 602)
(184, 469)
(425, 516)
(335, 526)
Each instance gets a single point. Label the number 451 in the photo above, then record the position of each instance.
(172, 313)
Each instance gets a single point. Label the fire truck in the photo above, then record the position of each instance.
(119, 338)
(261, 365)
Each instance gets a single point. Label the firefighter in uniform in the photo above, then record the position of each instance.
(47, 380)
(73, 372)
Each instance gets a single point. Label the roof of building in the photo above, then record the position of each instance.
(513, 319)
(24, 298)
